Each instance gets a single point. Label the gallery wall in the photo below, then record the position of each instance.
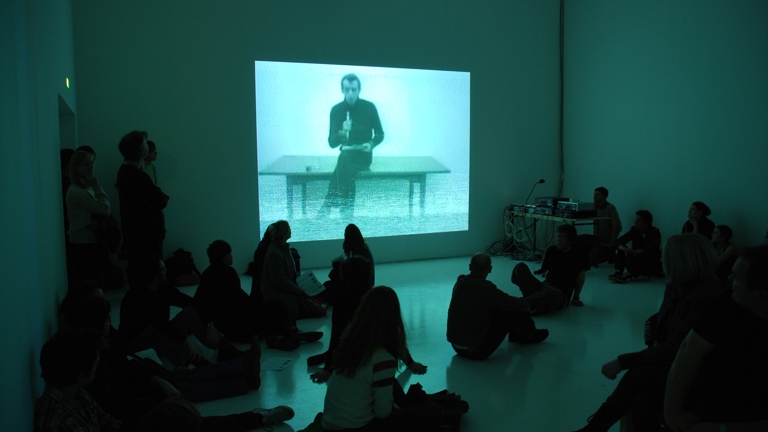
(37, 56)
(666, 104)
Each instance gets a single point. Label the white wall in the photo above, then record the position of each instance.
(666, 104)
(185, 74)
(37, 56)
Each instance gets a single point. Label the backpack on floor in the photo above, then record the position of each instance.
(181, 269)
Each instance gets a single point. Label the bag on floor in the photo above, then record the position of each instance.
(453, 406)
(181, 269)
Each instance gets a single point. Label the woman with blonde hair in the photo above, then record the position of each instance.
(86, 201)
(360, 391)
(689, 263)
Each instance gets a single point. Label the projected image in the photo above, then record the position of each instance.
(386, 149)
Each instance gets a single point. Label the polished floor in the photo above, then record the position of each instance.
(549, 387)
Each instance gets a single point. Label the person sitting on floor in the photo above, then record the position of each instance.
(256, 268)
(719, 379)
(220, 299)
(689, 263)
(643, 259)
(697, 220)
(360, 394)
(145, 316)
(278, 277)
(354, 245)
(601, 244)
(356, 275)
(480, 315)
(564, 267)
(68, 362)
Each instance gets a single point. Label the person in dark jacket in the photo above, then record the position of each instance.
(141, 202)
(221, 300)
(689, 263)
(145, 315)
(643, 258)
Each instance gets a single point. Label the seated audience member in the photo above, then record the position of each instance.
(727, 252)
(689, 263)
(360, 394)
(145, 315)
(258, 263)
(86, 201)
(220, 299)
(356, 275)
(602, 243)
(564, 267)
(719, 380)
(127, 388)
(480, 315)
(278, 277)
(354, 245)
(119, 380)
(643, 259)
(68, 362)
(697, 220)
(149, 167)
(141, 202)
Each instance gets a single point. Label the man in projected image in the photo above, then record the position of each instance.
(355, 129)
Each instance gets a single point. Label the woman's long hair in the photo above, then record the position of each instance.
(78, 158)
(377, 323)
(354, 243)
(688, 257)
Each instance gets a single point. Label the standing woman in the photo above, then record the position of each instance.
(697, 220)
(354, 244)
(86, 200)
(360, 391)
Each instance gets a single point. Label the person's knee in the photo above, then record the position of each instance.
(518, 271)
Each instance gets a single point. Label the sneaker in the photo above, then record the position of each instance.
(623, 279)
(252, 364)
(278, 414)
(537, 336)
(577, 302)
(612, 277)
(282, 343)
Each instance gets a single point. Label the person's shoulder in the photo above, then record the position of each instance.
(366, 103)
(75, 191)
